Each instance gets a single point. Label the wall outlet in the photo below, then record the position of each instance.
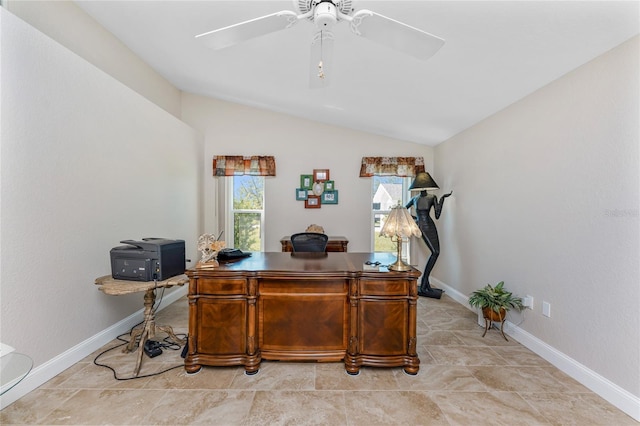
(546, 309)
(528, 302)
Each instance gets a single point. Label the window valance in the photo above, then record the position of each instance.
(391, 166)
(235, 165)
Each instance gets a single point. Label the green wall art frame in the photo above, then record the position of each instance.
(306, 181)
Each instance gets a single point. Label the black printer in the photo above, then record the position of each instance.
(148, 260)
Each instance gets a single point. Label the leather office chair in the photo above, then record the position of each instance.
(309, 242)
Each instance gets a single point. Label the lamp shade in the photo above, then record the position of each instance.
(399, 223)
(422, 182)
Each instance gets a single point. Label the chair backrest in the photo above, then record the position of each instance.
(309, 242)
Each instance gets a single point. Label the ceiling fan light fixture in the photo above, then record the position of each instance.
(304, 6)
(325, 16)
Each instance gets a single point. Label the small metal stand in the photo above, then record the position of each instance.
(487, 326)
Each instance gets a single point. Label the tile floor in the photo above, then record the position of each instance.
(464, 379)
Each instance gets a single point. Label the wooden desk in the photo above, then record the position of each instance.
(302, 307)
(334, 244)
(109, 285)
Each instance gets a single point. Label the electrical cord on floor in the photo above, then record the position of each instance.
(166, 344)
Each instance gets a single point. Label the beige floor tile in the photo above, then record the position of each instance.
(207, 378)
(465, 355)
(571, 384)
(473, 337)
(439, 338)
(202, 407)
(369, 408)
(111, 351)
(105, 406)
(424, 355)
(440, 377)
(519, 355)
(56, 381)
(487, 408)
(275, 375)
(577, 409)
(518, 379)
(333, 376)
(298, 408)
(452, 323)
(34, 406)
(433, 313)
(89, 376)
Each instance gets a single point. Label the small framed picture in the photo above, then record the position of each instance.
(328, 185)
(306, 182)
(320, 175)
(301, 194)
(312, 202)
(330, 197)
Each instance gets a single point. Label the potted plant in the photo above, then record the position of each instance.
(495, 302)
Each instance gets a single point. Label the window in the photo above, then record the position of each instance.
(387, 191)
(245, 208)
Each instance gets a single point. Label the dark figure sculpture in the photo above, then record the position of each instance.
(423, 204)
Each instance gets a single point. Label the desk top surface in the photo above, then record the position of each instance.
(292, 263)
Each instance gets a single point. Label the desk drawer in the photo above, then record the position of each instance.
(301, 286)
(384, 288)
(222, 286)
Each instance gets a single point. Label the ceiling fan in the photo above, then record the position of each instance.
(325, 14)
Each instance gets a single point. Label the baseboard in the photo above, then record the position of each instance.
(614, 394)
(49, 369)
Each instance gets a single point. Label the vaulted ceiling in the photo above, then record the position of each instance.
(496, 52)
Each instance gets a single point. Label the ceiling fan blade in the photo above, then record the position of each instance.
(237, 33)
(321, 64)
(395, 34)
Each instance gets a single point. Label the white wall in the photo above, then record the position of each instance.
(546, 198)
(65, 22)
(299, 146)
(85, 162)
(527, 206)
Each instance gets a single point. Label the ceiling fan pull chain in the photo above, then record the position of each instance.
(320, 70)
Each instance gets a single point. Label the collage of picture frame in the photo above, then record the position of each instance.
(317, 189)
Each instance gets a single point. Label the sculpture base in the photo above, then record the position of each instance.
(434, 293)
(208, 264)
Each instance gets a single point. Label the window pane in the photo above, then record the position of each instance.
(245, 212)
(246, 227)
(248, 192)
(388, 191)
(383, 244)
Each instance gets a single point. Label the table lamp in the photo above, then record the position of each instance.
(399, 224)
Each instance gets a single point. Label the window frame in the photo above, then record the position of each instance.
(230, 212)
(406, 196)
